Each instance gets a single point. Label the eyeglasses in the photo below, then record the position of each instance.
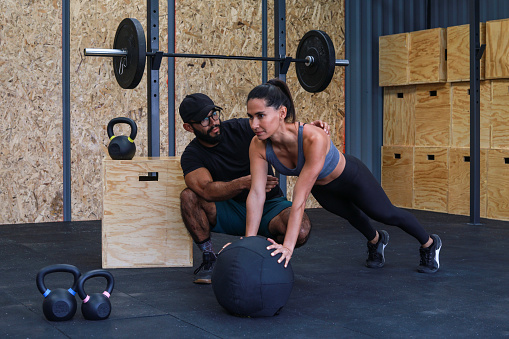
(215, 115)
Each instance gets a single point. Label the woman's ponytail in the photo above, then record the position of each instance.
(276, 94)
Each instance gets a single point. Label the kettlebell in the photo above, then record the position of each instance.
(122, 147)
(58, 304)
(96, 306)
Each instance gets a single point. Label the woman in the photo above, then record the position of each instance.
(341, 183)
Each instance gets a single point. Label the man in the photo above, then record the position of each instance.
(216, 171)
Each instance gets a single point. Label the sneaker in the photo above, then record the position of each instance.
(430, 261)
(376, 258)
(203, 274)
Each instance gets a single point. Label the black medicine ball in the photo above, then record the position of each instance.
(248, 281)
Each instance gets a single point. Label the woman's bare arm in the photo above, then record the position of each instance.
(256, 198)
(315, 149)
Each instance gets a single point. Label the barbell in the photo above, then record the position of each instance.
(315, 58)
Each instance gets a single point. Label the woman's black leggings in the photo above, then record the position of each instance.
(357, 196)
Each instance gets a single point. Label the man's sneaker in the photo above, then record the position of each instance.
(430, 261)
(376, 258)
(203, 274)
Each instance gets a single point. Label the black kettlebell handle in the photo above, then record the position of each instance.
(110, 282)
(122, 120)
(57, 268)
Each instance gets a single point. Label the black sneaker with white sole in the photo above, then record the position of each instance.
(203, 274)
(376, 257)
(430, 257)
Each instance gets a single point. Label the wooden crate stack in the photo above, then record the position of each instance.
(426, 142)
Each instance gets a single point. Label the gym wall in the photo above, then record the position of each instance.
(31, 182)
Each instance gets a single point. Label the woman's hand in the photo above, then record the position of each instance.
(286, 253)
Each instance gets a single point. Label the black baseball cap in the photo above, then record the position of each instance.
(196, 107)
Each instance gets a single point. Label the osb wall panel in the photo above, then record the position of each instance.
(30, 69)
(235, 28)
(30, 113)
(329, 105)
(96, 98)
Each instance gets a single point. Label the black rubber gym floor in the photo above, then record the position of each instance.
(334, 294)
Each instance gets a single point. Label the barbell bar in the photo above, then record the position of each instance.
(315, 57)
(104, 52)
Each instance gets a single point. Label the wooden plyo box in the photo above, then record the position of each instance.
(431, 174)
(497, 49)
(458, 52)
(459, 181)
(497, 187)
(426, 57)
(142, 225)
(432, 115)
(397, 174)
(399, 112)
(460, 114)
(500, 114)
(393, 60)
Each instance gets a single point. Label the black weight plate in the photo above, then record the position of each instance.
(316, 77)
(129, 70)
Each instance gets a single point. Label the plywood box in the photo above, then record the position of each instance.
(426, 57)
(458, 52)
(500, 114)
(432, 115)
(497, 187)
(497, 49)
(431, 173)
(460, 114)
(142, 225)
(393, 59)
(397, 174)
(459, 181)
(399, 111)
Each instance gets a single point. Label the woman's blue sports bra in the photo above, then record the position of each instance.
(331, 159)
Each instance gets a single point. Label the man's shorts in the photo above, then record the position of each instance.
(231, 216)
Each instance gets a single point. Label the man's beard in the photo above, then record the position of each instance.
(206, 137)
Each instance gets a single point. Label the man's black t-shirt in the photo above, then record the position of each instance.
(227, 160)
